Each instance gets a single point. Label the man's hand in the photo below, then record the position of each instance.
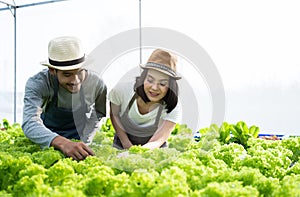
(76, 150)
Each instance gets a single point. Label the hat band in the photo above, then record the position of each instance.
(67, 63)
(162, 67)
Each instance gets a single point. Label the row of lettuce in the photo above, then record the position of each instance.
(226, 161)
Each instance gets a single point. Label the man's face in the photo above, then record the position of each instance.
(71, 79)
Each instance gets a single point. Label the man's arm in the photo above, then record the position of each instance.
(96, 109)
(36, 93)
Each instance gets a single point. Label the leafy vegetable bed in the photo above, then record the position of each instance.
(226, 161)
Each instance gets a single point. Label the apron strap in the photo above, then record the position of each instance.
(158, 113)
(131, 102)
(56, 85)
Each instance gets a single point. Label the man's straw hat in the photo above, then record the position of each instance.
(65, 53)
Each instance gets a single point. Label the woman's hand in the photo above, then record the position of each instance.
(161, 135)
(120, 132)
(127, 145)
(123, 154)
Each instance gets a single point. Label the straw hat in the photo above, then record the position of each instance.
(162, 61)
(65, 53)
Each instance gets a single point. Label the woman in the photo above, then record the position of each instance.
(146, 112)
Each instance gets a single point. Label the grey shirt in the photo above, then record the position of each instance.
(39, 91)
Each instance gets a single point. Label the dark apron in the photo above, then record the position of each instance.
(62, 121)
(138, 135)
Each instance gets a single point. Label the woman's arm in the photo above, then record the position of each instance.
(115, 120)
(161, 135)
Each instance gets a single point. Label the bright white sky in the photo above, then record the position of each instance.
(254, 44)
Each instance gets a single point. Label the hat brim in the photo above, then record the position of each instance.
(87, 61)
(143, 66)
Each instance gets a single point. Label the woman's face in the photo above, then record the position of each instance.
(71, 79)
(156, 85)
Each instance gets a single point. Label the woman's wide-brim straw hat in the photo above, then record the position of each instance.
(162, 61)
(65, 53)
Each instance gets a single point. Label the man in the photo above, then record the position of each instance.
(65, 101)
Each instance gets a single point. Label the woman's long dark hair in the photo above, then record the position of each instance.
(171, 98)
